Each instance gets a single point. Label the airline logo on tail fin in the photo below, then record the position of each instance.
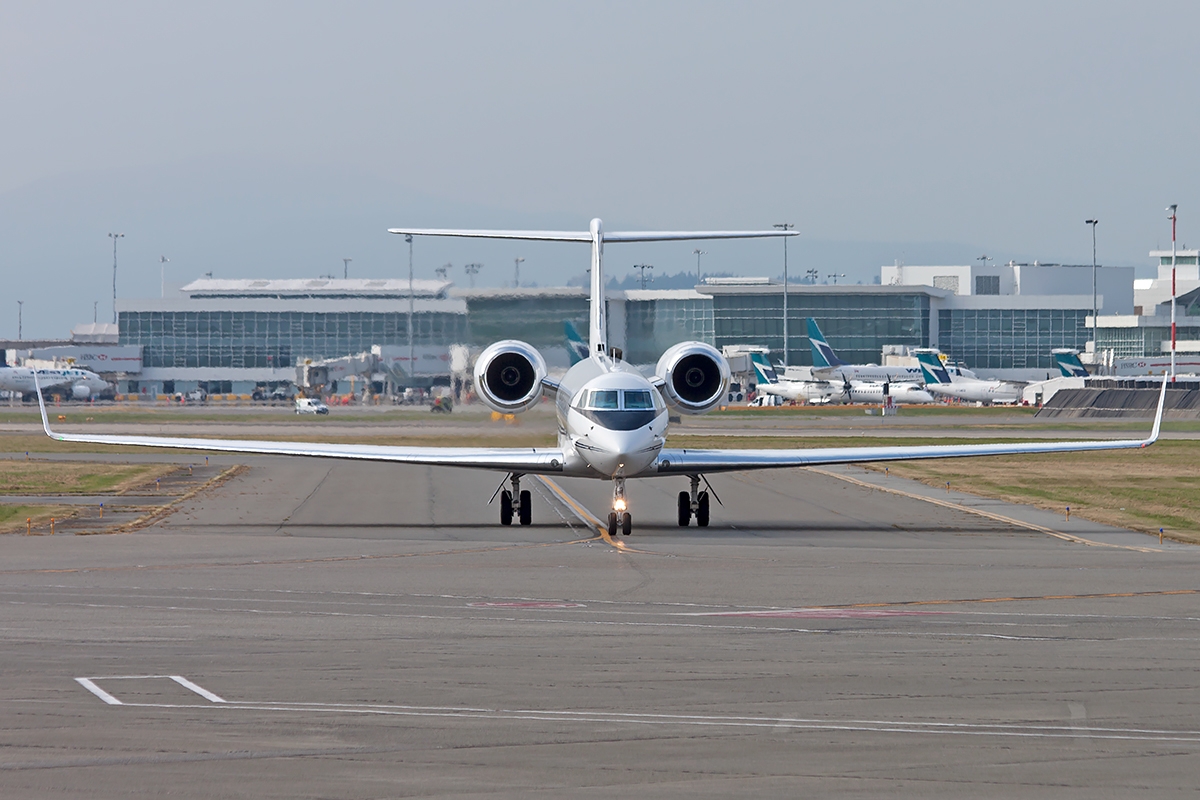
(576, 347)
(1069, 363)
(932, 368)
(763, 370)
(822, 353)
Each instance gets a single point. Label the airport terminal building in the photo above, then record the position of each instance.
(234, 335)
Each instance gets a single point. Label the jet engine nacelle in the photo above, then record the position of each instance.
(80, 391)
(695, 377)
(508, 376)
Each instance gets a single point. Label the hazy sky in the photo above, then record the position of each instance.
(271, 139)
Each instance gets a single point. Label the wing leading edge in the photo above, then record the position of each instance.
(690, 462)
(527, 460)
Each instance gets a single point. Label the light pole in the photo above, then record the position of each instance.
(472, 270)
(443, 271)
(346, 268)
(812, 276)
(114, 237)
(412, 364)
(162, 275)
(1172, 208)
(835, 276)
(698, 253)
(643, 268)
(20, 319)
(785, 226)
(95, 310)
(517, 271)
(1095, 307)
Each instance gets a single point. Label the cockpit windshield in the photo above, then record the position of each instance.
(602, 399)
(638, 400)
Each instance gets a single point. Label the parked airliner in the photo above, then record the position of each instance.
(83, 383)
(945, 382)
(612, 418)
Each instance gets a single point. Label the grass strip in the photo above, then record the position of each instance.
(13, 517)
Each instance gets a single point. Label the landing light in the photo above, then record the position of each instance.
(619, 504)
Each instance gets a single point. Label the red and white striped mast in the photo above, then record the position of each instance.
(1172, 208)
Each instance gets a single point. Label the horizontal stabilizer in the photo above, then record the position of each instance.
(586, 236)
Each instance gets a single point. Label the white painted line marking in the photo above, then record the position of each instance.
(89, 684)
(200, 690)
(1009, 730)
(96, 690)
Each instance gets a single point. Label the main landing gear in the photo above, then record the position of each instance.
(619, 517)
(693, 503)
(516, 502)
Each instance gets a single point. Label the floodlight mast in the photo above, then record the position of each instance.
(1095, 307)
(1172, 209)
(785, 226)
(114, 237)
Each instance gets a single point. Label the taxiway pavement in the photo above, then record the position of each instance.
(319, 629)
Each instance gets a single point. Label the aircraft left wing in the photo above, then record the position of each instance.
(526, 460)
(692, 462)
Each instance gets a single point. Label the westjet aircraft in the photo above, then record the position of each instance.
(847, 391)
(769, 382)
(612, 419)
(940, 380)
(1068, 363)
(83, 383)
(826, 364)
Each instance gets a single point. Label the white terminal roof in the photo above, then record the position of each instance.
(315, 288)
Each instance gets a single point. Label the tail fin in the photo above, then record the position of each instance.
(576, 346)
(1069, 364)
(763, 370)
(822, 353)
(932, 368)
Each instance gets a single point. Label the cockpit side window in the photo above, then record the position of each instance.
(638, 399)
(603, 399)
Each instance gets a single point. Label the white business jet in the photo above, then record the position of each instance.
(612, 419)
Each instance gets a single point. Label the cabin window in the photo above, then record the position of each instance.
(639, 400)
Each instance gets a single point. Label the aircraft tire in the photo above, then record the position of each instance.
(702, 511)
(526, 507)
(685, 509)
(506, 509)
(612, 523)
(626, 524)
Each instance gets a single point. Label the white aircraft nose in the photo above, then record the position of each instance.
(619, 452)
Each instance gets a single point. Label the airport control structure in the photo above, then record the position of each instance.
(236, 336)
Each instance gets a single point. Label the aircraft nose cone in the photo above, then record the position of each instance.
(619, 452)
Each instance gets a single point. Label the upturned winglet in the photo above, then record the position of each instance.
(37, 386)
(1158, 415)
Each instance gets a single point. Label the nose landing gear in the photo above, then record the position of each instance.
(516, 502)
(693, 503)
(619, 516)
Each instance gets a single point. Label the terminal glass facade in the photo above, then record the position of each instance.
(1142, 342)
(856, 324)
(537, 320)
(270, 339)
(652, 326)
(1003, 338)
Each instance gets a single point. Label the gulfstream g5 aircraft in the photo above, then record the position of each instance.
(612, 419)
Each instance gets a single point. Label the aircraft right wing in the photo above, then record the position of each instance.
(692, 462)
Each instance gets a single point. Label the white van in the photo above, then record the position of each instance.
(309, 405)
